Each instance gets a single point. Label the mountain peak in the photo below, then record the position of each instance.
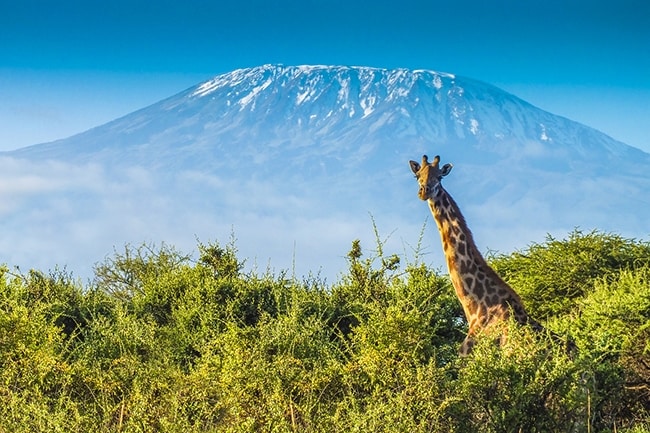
(405, 105)
(333, 110)
(299, 155)
(367, 77)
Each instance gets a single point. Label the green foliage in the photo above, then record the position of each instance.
(160, 342)
(527, 384)
(554, 275)
(614, 327)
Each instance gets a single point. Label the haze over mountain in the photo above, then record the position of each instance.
(295, 160)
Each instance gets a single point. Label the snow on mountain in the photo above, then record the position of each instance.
(294, 159)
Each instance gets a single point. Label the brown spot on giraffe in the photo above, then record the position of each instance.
(485, 297)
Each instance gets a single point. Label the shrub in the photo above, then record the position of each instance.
(553, 275)
(161, 342)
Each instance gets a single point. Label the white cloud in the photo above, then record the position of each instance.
(74, 216)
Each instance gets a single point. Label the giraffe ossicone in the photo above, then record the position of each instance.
(487, 300)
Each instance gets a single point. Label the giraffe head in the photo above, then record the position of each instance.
(429, 175)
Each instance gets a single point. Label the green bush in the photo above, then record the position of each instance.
(161, 342)
(554, 275)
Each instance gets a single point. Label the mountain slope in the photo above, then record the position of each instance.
(326, 106)
(292, 159)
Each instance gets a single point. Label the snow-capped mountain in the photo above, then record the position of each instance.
(293, 159)
(330, 111)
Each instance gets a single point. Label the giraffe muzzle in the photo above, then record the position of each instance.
(423, 193)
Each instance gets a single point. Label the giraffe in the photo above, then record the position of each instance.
(486, 299)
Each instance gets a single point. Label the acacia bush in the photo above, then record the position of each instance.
(554, 275)
(160, 341)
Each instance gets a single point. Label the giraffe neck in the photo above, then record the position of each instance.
(458, 244)
(477, 286)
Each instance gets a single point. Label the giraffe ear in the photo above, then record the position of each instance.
(446, 169)
(415, 167)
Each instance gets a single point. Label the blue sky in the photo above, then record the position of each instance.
(69, 65)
